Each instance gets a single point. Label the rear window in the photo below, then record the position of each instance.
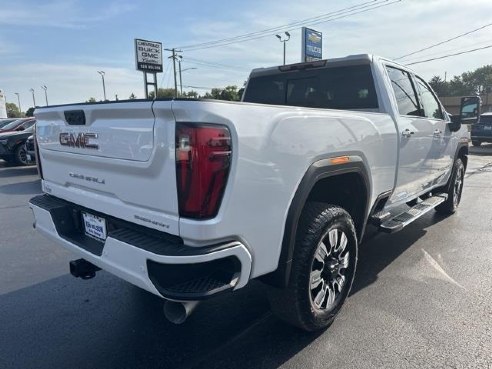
(348, 87)
(485, 119)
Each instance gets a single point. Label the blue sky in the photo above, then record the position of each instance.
(62, 44)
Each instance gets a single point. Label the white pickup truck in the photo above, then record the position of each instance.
(191, 198)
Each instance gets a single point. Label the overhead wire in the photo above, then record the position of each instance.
(450, 55)
(264, 33)
(444, 42)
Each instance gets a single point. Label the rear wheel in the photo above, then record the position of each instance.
(20, 155)
(476, 143)
(454, 189)
(323, 268)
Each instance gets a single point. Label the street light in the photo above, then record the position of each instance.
(180, 75)
(284, 41)
(45, 93)
(102, 73)
(33, 98)
(18, 100)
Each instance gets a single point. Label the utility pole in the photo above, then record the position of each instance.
(102, 73)
(45, 93)
(33, 98)
(284, 41)
(175, 56)
(18, 101)
(180, 78)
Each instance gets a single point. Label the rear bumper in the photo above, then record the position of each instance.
(481, 138)
(155, 261)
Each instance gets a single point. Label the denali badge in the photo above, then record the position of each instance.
(80, 140)
(87, 178)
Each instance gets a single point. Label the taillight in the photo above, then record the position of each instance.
(36, 151)
(203, 156)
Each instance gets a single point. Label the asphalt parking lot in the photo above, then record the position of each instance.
(422, 299)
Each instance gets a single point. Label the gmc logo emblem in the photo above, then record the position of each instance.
(80, 140)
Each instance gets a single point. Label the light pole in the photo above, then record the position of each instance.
(33, 98)
(102, 73)
(18, 100)
(284, 41)
(180, 75)
(45, 93)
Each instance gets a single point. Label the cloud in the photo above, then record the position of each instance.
(58, 14)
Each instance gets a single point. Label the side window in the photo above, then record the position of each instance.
(405, 94)
(432, 109)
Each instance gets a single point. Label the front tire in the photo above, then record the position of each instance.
(323, 268)
(20, 155)
(454, 189)
(476, 143)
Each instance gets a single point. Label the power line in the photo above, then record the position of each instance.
(212, 64)
(450, 55)
(445, 41)
(263, 34)
(273, 29)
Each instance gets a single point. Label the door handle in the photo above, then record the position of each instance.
(407, 133)
(437, 132)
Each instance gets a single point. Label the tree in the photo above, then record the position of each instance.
(132, 96)
(13, 110)
(229, 93)
(162, 93)
(191, 95)
(468, 83)
(30, 112)
(91, 100)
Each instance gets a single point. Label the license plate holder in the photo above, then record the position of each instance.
(94, 226)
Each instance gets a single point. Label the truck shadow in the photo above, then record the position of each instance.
(107, 323)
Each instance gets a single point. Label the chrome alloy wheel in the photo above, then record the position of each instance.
(458, 185)
(328, 270)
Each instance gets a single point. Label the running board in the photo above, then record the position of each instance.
(400, 221)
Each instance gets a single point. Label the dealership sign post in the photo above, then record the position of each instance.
(148, 59)
(311, 45)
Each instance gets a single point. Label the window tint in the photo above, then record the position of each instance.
(350, 87)
(430, 104)
(485, 119)
(406, 97)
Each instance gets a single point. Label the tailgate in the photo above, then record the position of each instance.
(115, 158)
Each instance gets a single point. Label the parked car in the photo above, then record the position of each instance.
(4, 122)
(12, 146)
(482, 130)
(20, 124)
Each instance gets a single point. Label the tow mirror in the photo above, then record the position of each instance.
(470, 109)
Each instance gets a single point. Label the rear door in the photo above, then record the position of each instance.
(416, 158)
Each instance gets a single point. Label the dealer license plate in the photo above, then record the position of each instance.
(94, 226)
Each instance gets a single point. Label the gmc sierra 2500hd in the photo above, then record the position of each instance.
(191, 198)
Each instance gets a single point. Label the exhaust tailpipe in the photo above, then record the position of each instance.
(178, 311)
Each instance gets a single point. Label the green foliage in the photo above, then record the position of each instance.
(191, 95)
(132, 96)
(30, 112)
(162, 93)
(469, 83)
(91, 100)
(229, 93)
(13, 110)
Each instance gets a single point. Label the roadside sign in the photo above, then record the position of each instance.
(148, 56)
(311, 45)
(3, 105)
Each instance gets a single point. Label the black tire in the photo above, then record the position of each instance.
(302, 303)
(453, 189)
(20, 155)
(476, 143)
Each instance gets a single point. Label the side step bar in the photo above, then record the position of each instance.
(400, 221)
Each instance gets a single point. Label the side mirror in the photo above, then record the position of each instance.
(470, 109)
(455, 124)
